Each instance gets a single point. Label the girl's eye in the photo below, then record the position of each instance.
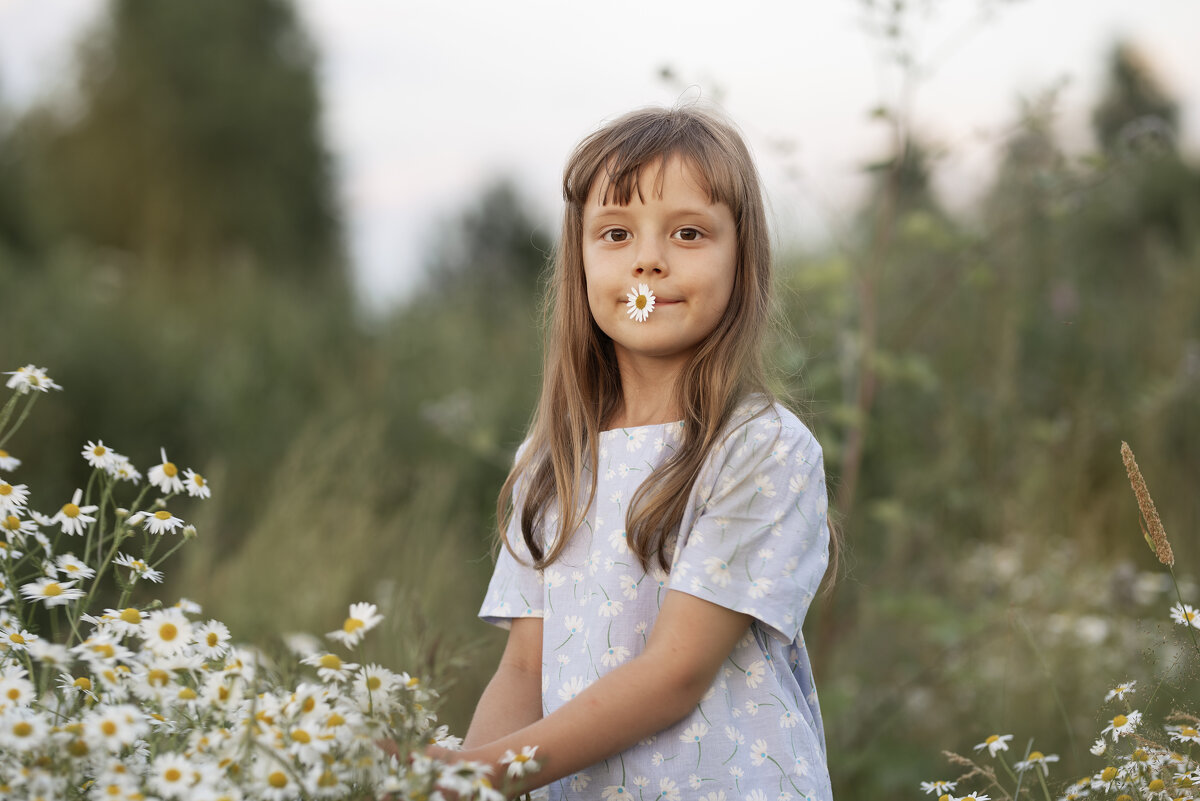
(615, 235)
(688, 234)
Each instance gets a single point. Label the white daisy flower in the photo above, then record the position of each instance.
(1184, 734)
(8, 462)
(22, 730)
(212, 639)
(995, 743)
(196, 484)
(759, 753)
(520, 764)
(138, 569)
(330, 667)
(718, 571)
(668, 790)
(1183, 614)
(614, 656)
(755, 673)
(14, 528)
(165, 475)
(51, 592)
(13, 497)
(363, 617)
(1099, 747)
(171, 775)
(123, 470)
(30, 377)
(72, 517)
(571, 688)
(15, 689)
(160, 522)
(1037, 759)
(640, 303)
(610, 608)
(1122, 724)
(938, 787)
(166, 631)
(72, 567)
(99, 455)
(694, 733)
(113, 728)
(1120, 691)
(16, 638)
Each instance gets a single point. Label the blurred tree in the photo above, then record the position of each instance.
(1135, 108)
(193, 141)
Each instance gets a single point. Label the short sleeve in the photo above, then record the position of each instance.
(758, 541)
(516, 587)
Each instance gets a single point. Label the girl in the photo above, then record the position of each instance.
(665, 521)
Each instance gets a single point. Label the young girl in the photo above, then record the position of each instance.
(665, 521)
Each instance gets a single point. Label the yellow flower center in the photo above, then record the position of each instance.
(1156, 786)
(352, 625)
(52, 590)
(1124, 797)
(105, 650)
(108, 728)
(1119, 721)
(374, 683)
(331, 661)
(83, 683)
(992, 738)
(334, 720)
(5, 488)
(187, 694)
(277, 779)
(301, 736)
(159, 677)
(413, 681)
(168, 631)
(163, 515)
(22, 729)
(170, 471)
(327, 779)
(198, 479)
(70, 510)
(640, 302)
(523, 758)
(99, 450)
(12, 523)
(1188, 731)
(14, 694)
(173, 774)
(77, 748)
(212, 639)
(1108, 774)
(16, 638)
(3, 453)
(131, 615)
(1034, 756)
(309, 704)
(1140, 755)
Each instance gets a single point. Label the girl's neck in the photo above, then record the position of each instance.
(647, 394)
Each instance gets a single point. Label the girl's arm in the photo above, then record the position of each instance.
(689, 641)
(513, 698)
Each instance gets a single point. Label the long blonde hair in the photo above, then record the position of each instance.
(581, 387)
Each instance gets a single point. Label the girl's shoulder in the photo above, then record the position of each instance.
(760, 421)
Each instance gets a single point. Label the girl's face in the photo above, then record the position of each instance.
(676, 241)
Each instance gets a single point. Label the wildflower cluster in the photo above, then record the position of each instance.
(147, 701)
(1142, 760)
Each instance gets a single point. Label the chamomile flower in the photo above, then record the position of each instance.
(171, 775)
(15, 689)
(51, 592)
(640, 303)
(1120, 691)
(31, 378)
(363, 617)
(13, 497)
(114, 727)
(995, 743)
(99, 455)
(520, 764)
(165, 475)
(22, 730)
(160, 522)
(330, 667)
(196, 484)
(15, 638)
(938, 787)
(1037, 759)
(166, 631)
(72, 567)
(212, 639)
(8, 462)
(1122, 725)
(123, 470)
(74, 518)
(1184, 734)
(138, 569)
(1183, 614)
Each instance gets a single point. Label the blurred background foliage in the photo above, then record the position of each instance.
(171, 249)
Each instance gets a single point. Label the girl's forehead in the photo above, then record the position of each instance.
(614, 186)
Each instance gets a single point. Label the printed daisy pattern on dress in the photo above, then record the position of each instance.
(640, 303)
(752, 540)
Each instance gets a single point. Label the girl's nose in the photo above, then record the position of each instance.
(648, 268)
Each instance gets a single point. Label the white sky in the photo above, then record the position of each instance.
(427, 100)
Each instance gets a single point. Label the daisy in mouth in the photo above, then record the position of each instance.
(641, 303)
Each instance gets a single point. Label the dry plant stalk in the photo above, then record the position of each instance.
(1153, 528)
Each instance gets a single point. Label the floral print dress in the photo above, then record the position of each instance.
(754, 539)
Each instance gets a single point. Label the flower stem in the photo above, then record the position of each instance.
(7, 413)
(1191, 629)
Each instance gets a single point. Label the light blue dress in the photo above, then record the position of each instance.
(754, 539)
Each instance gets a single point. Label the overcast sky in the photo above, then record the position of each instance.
(426, 101)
